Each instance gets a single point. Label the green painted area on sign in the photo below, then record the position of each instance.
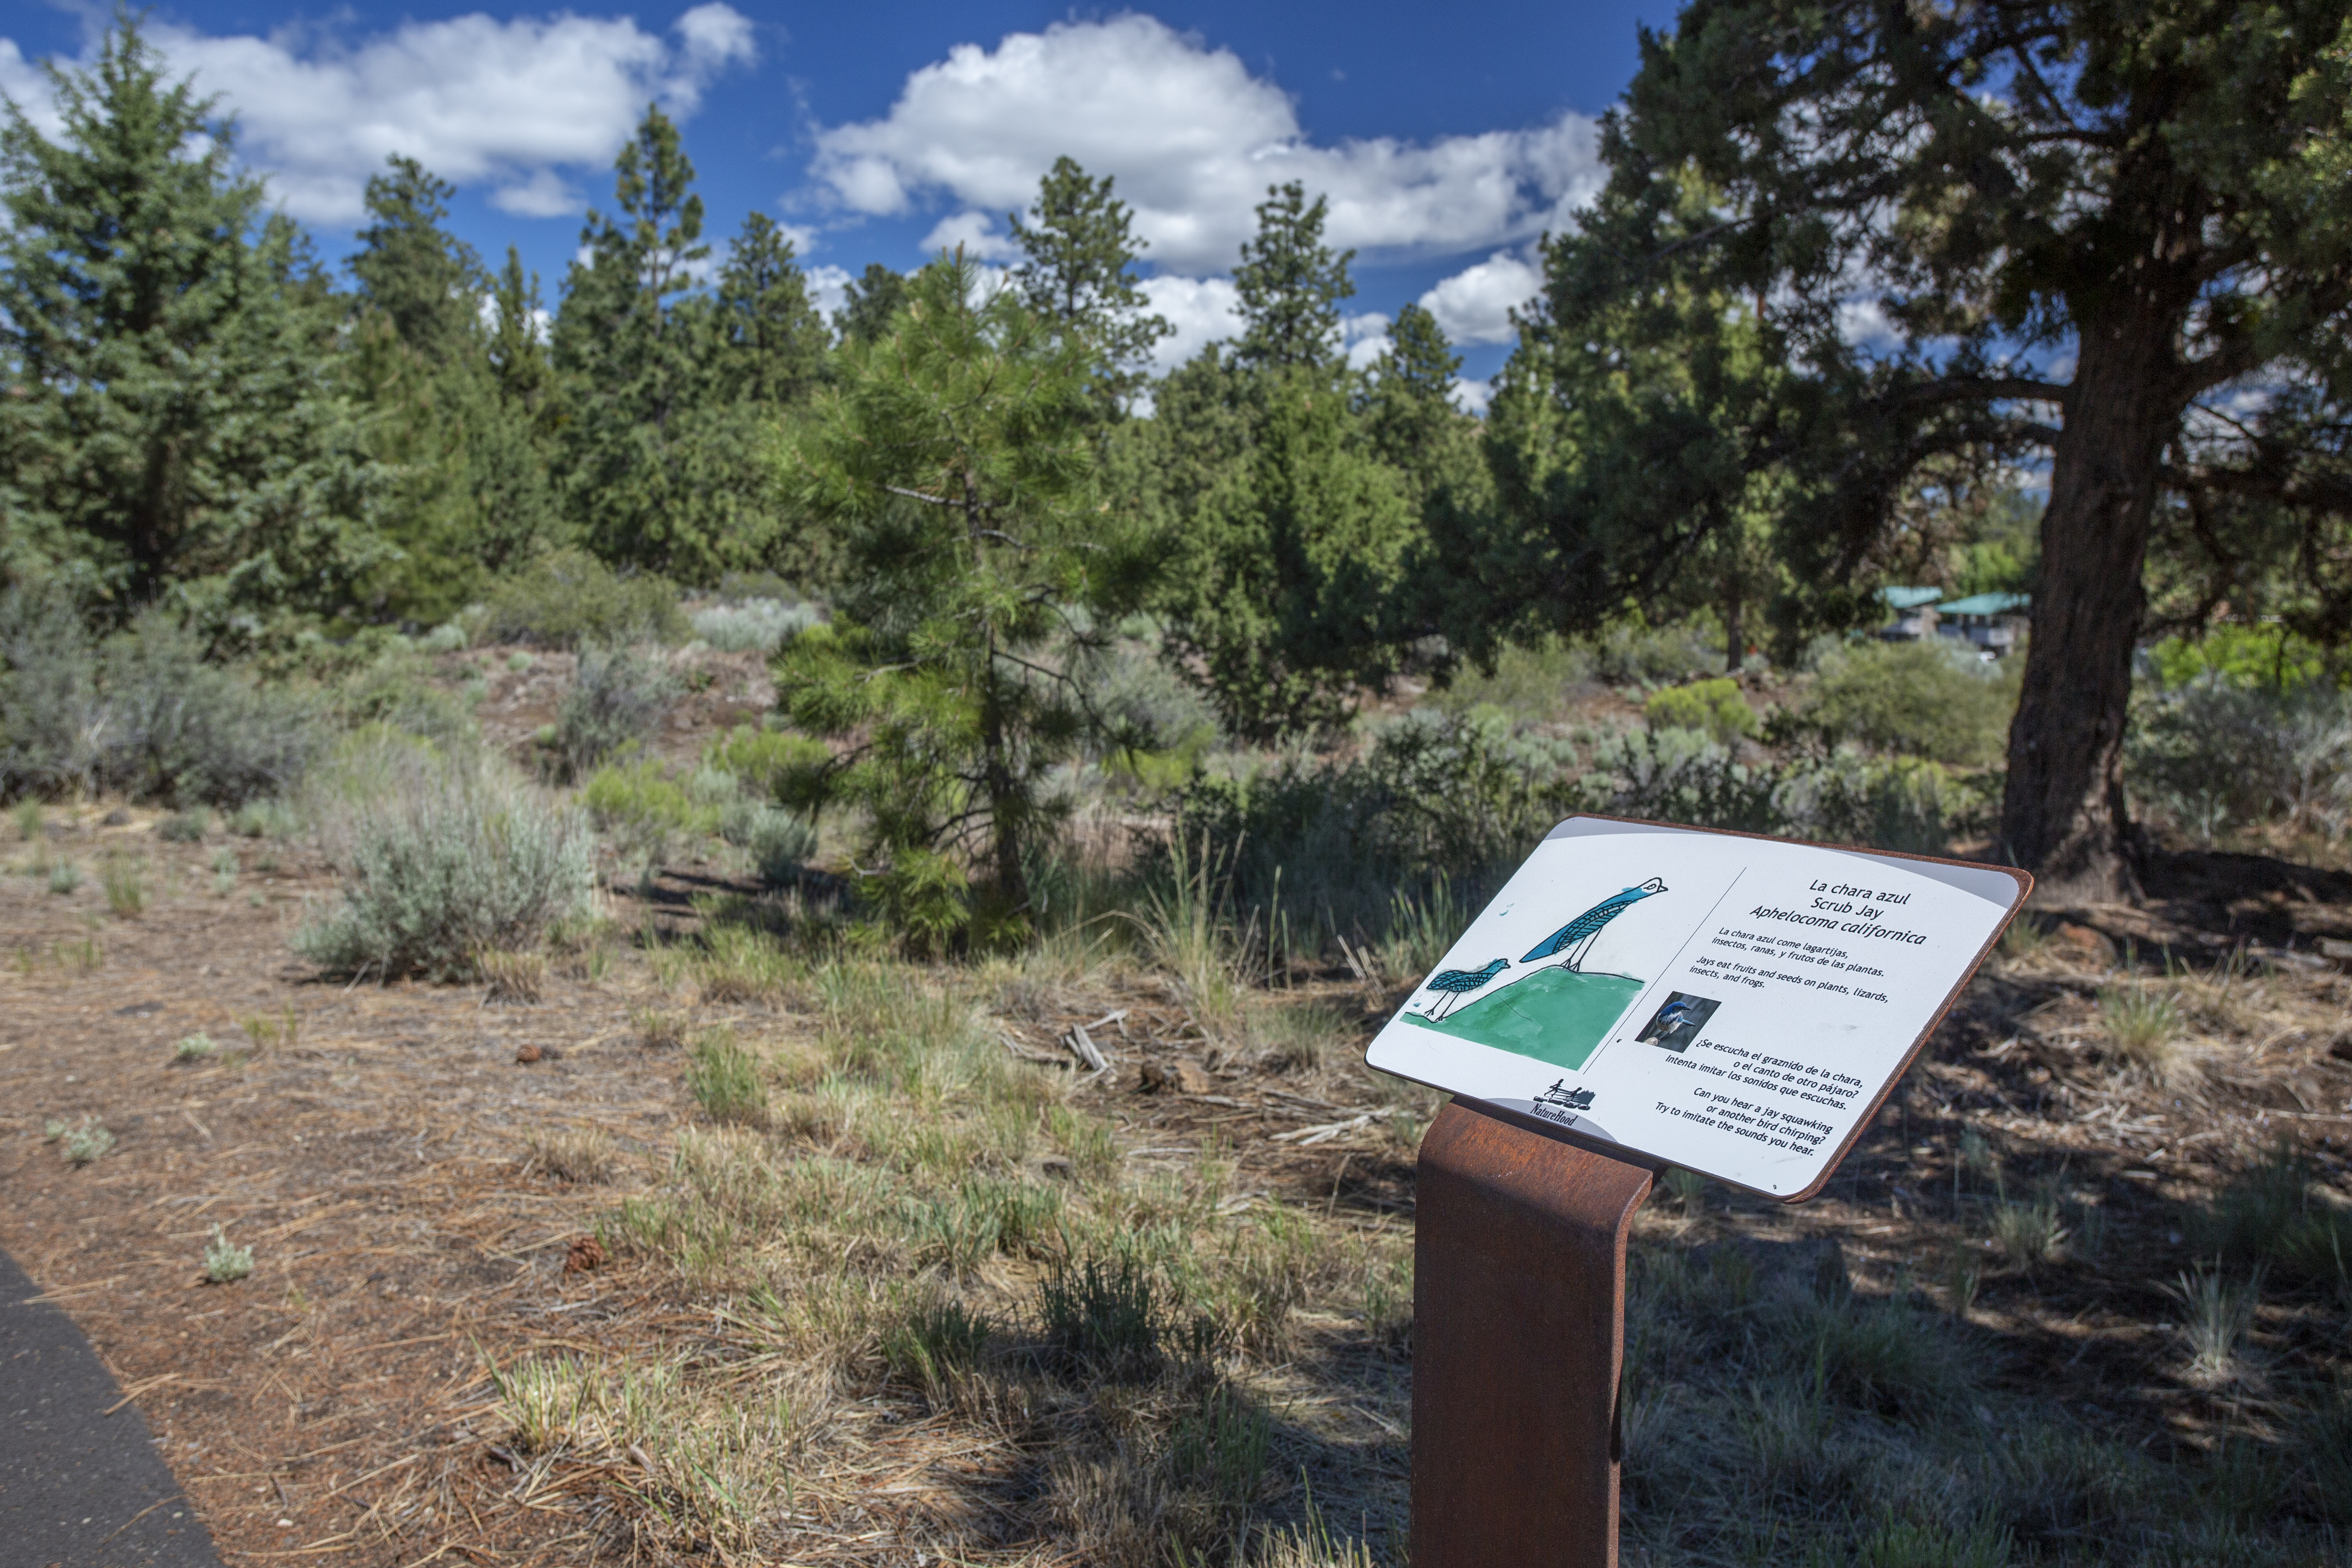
(1555, 1016)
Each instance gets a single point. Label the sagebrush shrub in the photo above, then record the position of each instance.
(568, 598)
(765, 624)
(463, 859)
(2214, 755)
(144, 714)
(184, 826)
(781, 845)
(762, 760)
(226, 1262)
(616, 700)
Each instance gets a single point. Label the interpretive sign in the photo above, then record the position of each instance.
(1732, 1004)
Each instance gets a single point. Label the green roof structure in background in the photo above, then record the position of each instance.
(1987, 604)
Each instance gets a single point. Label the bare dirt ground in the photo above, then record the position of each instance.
(372, 1144)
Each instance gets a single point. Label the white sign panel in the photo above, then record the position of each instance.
(1732, 1004)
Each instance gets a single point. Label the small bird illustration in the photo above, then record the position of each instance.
(1575, 939)
(1453, 985)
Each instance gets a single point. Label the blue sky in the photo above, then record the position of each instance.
(1446, 139)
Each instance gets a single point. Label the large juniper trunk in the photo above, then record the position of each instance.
(2064, 816)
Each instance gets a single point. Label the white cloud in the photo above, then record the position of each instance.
(828, 288)
(1193, 140)
(23, 84)
(976, 232)
(1475, 396)
(1864, 324)
(1201, 309)
(545, 194)
(476, 101)
(1366, 337)
(1475, 305)
(717, 35)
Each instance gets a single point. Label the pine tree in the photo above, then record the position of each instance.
(1080, 254)
(1410, 413)
(518, 347)
(955, 451)
(1291, 284)
(175, 425)
(872, 299)
(663, 460)
(772, 342)
(471, 496)
(424, 282)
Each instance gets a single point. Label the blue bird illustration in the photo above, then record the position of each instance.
(1453, 985)
(1575, 939)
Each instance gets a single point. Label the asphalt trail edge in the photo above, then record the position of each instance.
(81, 1485)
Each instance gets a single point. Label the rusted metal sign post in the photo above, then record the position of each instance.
(1735, 1006)
(1518, 1344)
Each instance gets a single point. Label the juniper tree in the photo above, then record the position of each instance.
(1409, 404)
(175, 425)
(518, 347)
(1285, 533)
(954, 452)
(2112, 237)
(1285, 539)
(1416, 423)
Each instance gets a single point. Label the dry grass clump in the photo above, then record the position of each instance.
(125, 880)
(1302, 1036)
(272, 1031)
(2277, 1216)
(2029, 1233)
(570, 1154)
(708, 1464)
(1311, 1545)
(512, 976)
(2145, 1029)
(1186, 925)
(2216, 1313)
(736, 960)
(2027, 937)
(1826, 1410)
(725, 1079)
(658, 1029)
(920, 1213)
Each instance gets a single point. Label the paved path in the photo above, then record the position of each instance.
(78, 1488)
